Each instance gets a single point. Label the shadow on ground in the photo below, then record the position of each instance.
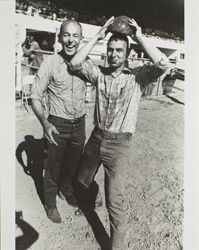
(35, 152)
(175, 100)
(29, 236)
(98, 229)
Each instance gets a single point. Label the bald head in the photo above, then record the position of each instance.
(70, 21)
(70, 36)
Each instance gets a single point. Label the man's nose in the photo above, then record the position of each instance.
(113, 53)
(71, 39)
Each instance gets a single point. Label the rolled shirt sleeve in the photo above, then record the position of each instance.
(149, 73)
(88, 69)
(41, 80)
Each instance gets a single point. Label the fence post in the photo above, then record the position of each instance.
(56, 39)
(20, 35)
(158, 86)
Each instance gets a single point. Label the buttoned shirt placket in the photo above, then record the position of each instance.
(109, 99)
(72, 98)
(72, 94)
(108, 107)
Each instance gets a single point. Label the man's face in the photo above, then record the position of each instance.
(70, 38)
(116, 52)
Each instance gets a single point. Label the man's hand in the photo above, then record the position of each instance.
(83, 53)
(103, 31)
(138, 32)
(49, 129)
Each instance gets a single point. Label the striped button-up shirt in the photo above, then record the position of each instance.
(66, 91)
(118, 94)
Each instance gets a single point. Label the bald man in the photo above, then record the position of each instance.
(64, 128)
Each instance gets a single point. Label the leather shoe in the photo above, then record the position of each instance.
(53, 214)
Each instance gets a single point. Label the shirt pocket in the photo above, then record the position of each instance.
(119, 94)
(125, 91)
(60, 77)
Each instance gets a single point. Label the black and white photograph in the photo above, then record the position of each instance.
(99, 109)
(99, 124)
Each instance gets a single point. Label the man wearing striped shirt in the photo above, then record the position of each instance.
(118, 93)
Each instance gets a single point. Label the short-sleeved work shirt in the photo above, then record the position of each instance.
(118, 94)
(66, 91)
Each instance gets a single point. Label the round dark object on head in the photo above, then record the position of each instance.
(121, 25)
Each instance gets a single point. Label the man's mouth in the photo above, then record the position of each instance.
(113, 61)
(70, 47)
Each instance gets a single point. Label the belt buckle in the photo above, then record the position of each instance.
(75, 120)
(72, 121)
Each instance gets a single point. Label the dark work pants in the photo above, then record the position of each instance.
(63, 159)
(113, 151)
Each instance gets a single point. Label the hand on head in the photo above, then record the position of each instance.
(103, 31)
(134, 25)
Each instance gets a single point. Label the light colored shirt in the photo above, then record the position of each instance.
(118, 94)
(66, 91)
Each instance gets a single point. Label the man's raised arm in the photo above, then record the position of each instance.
(154, 54)
(82, 54)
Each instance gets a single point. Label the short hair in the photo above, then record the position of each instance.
(68, 22)
(119, 36)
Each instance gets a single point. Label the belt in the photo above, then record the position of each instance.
(75, 121)
(113, 136)
(70, 121)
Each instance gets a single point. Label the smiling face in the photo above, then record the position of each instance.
(70, 37)
(117, 53)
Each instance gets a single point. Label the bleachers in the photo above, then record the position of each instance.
(51, 10)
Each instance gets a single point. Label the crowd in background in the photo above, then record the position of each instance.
(54, 10)
(46, 9)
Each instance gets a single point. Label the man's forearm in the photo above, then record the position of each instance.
(82, 54)
(39, 111)
(154, 54)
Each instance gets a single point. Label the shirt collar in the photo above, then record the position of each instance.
(125, 70)
(63, 58)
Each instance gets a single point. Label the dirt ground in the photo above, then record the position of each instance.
(154, 187)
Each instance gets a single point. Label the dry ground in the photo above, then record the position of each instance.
(154, 187)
